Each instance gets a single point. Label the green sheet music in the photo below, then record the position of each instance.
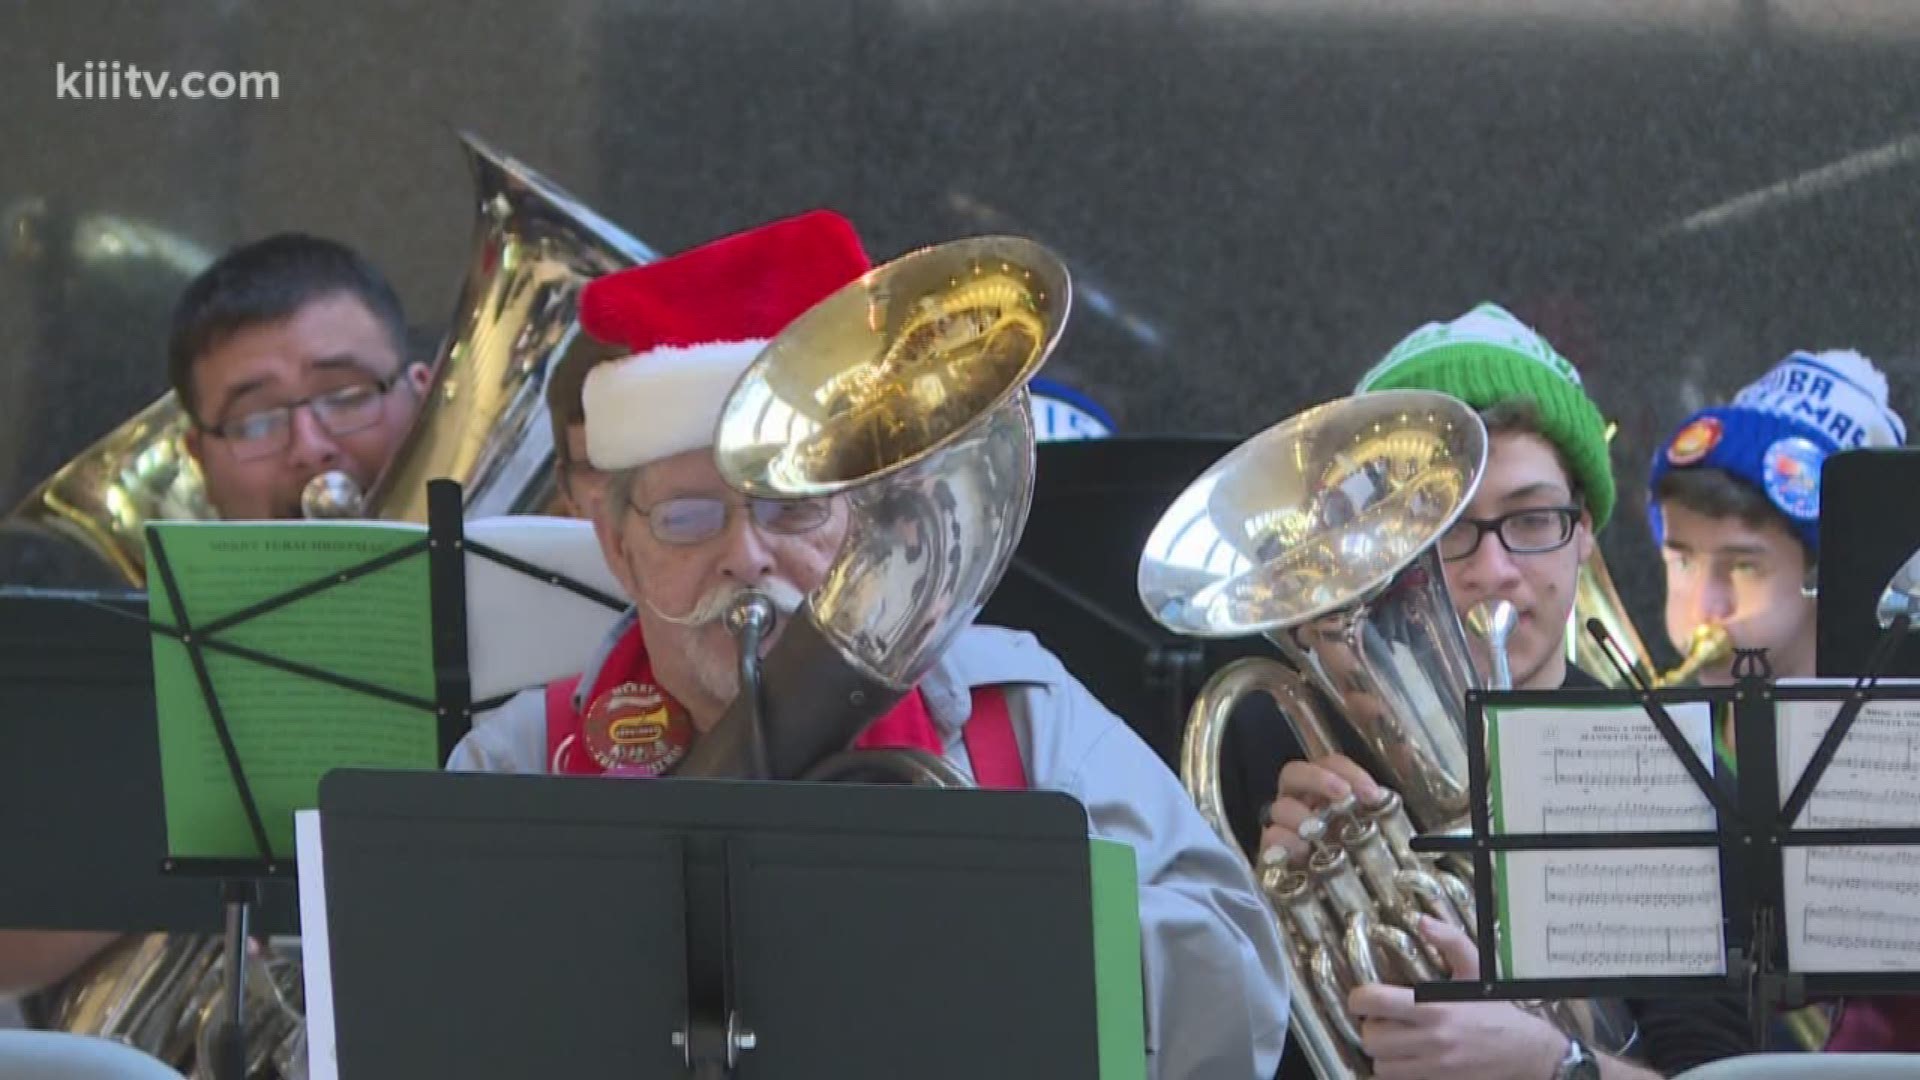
(288, 729)
(1116, 962)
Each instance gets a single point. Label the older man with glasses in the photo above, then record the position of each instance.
(996, 706)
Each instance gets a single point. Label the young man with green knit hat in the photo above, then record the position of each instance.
(1547, 489)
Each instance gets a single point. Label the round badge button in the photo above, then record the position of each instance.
(1695, 441)
(636, 729)
(1790, 473)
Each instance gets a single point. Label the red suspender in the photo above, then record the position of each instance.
(990, 743)
(563, 744)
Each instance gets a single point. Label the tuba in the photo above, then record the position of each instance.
(906, 393)
(483, 422)
(1322, 534)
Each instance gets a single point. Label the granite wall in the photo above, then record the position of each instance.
(1258, 196)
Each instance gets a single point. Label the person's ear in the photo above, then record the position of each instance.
(613, 548)
(419, 376)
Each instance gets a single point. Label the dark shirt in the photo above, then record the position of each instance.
(1676, 1034)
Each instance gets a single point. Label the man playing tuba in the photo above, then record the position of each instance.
(996, 706)
(290, 356)
(1547, 489)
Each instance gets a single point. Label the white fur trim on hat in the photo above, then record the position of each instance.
(656, 404)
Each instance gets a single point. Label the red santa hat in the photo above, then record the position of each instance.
(694, 322)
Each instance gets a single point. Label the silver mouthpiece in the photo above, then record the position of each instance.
(750, 611)
(332, 495)
(1493, 621)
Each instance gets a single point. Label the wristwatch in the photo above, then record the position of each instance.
(1579, 1064)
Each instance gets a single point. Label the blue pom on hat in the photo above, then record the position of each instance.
(1777, 432)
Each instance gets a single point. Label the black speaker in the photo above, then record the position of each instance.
(1869, 528)
(1072, 582)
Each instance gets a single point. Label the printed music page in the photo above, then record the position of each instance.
(288, 729)
(1853, 908)
(1603, 913)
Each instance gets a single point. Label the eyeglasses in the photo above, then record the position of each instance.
(1523, 532)
(694, 518)
(341, 411)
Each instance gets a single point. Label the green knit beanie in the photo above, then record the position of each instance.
(1487, 357)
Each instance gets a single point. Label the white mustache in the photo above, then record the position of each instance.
(783, 595)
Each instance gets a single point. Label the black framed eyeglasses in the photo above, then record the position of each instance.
(341, 411)
(1522, 532)
(694, 518)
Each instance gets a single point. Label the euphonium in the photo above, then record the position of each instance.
(906, 392)
(483, 422)
(1321, 533)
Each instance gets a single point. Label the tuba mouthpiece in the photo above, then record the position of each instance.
(332, 495)
(750, 611)
(1493, 621)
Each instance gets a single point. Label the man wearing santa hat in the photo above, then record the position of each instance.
(997, 706)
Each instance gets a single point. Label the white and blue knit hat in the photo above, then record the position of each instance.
(1777, 432)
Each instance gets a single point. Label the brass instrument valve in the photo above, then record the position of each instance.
(1389, 813)
(1314, 831)
(1375, 860)
(1333, 870)
(1293, 894)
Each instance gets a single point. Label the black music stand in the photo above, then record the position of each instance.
(705, 928)
(1755, 827)
(1073, 580)
(241, 878)
(81, 816)
(446, 550)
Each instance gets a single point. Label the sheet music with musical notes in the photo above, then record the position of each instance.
(1605, 912)
(1853, 908)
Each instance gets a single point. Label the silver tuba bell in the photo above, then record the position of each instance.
(1322, 534)
(484, 423)
(906, 392)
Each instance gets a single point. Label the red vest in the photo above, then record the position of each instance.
(991, 745)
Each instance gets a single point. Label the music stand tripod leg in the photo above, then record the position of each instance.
(231, 1063)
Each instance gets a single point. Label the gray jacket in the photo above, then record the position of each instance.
(1216, 984)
